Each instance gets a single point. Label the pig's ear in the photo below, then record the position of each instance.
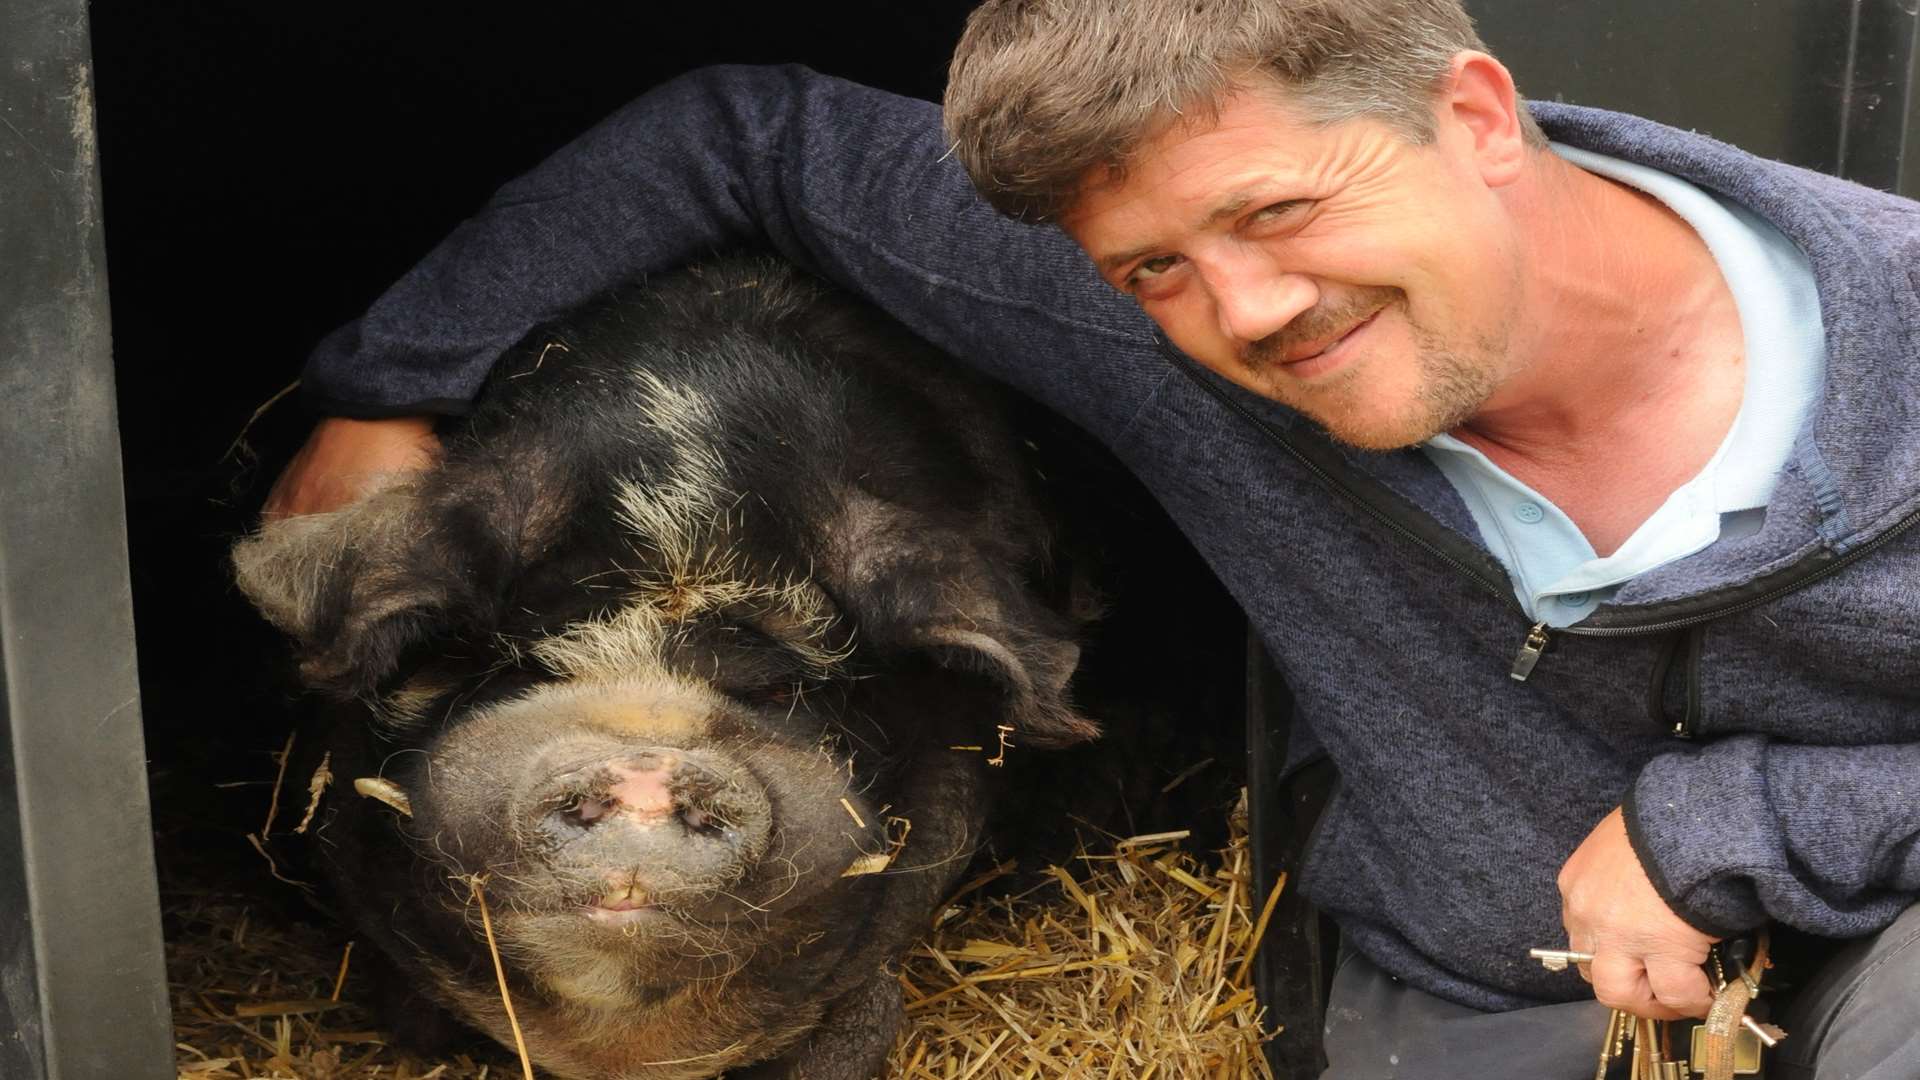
(355, 588)
(1031, 666)
(963, 600)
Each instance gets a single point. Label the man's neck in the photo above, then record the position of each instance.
(1632, 360)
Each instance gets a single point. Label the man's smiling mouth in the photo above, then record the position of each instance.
(1319, 347)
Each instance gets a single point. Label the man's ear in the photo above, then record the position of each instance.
(1481, 105)
(964, 599)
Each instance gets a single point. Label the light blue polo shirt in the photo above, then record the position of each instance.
(1556, 574)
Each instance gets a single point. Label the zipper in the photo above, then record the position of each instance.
(1539, 634)
(1529, 654)
(1818, 573)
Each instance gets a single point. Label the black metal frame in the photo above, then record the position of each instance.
(82, 982)
(1293, 969)
(1879, 98)
(1828, 84)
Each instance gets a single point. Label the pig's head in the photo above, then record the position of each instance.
(686, 659)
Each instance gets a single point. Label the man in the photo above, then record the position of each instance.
(1567, 486)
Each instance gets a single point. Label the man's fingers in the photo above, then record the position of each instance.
(1577, 943)
(1620, 982)
(1611, 909)
(1680, 986)
(344, 458)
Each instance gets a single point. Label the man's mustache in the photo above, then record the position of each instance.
(1321, 321)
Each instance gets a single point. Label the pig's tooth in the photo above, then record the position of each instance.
(375, 787)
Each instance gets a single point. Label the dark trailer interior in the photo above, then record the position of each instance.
(264, 170)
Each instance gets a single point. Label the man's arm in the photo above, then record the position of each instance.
(848, 182)
(1726, 837)
(1748, 828)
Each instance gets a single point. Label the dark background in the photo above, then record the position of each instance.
(268, 168)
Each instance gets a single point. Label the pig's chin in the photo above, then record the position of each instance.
(600, 1017)
(608, 959)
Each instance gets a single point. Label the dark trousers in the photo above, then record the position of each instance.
(1855, 1015)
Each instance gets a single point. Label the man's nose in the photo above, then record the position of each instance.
(1255, 299)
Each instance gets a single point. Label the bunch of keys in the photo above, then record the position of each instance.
(1725, 1045)
(1652, 1049)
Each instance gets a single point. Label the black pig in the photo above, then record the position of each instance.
(677, 655)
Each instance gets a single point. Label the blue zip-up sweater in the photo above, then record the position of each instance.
(1789, 660)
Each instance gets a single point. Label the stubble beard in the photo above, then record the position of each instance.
(1452, 383)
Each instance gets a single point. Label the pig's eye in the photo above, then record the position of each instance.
(777, 695)
(772, 696)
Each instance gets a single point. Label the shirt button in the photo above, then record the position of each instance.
(1575, 599)
(1529, 513)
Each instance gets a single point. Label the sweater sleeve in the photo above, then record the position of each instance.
(849, 182)
(1747, 828)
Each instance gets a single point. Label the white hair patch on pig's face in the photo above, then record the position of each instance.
(685, 562)
(656, 706)
(624, 642)
(634, 639)
(673, 505)
(686, 568)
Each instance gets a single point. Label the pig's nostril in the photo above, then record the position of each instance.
(584, 810)
(643, 794)
(702, 821)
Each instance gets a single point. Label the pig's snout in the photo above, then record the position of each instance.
(641, 789)
(674, 821)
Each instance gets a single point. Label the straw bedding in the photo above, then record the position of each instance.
(1134, 961)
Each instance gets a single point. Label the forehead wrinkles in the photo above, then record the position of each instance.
(1253, 139)
(1310, 164)
(1364, 158)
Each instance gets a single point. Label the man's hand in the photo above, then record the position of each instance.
(343, 457)
(1646, 959)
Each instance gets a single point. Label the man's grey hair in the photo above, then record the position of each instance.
(1044, 92)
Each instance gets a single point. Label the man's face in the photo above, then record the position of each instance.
(1362, 280)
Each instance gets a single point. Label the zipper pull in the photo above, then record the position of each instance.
(1530, 651)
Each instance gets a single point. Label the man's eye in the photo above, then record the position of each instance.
(1276, 211)
(1153, 268)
